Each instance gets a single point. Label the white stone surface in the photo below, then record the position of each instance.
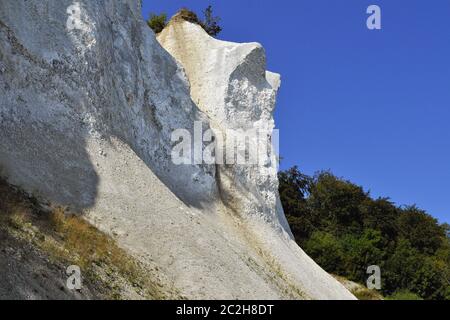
(85, 121)
(229, 82)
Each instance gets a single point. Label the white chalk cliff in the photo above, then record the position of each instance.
(88, 102)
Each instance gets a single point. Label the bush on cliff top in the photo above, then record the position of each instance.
(157, 22)
(345, 230)
(210, 23)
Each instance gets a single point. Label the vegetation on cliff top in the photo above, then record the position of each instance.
(157, 22)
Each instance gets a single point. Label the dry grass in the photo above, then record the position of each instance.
(88, 243)
(70, 239)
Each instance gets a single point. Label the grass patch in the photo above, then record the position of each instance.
(366, 294)
(360, 291)
(70, 239)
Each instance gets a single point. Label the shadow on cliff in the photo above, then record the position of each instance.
(49, 105)
(42, 146)
(44, 137)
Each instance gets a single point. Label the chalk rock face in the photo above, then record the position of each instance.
(79, 70)
(88, 103)
(230, 84)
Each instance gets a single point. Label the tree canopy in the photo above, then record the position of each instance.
(210, 23)
(157, 22)
(345, 230)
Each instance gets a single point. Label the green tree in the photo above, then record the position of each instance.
(294, 190)
(325, 249)
(422, 230)
(211, 22)
(338, 203)
(404, 295)
(361, 251)
(446, 228)
(344, 230)
(430, 280)
(157, 22)
(381, 214)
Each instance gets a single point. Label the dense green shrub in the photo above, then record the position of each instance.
(210, 23)
(345, 230)
(404, 295)
(327, 250)
(157, 22)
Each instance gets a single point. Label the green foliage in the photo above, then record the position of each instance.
(211, 22)
(400, 267)
(361, 250)
(327, 249)
(345, 231)
(445, 226)
(157, 22)
(422, 230)
(294, 187)
(339, 201)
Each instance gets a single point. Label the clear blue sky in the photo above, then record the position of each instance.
(371, 106)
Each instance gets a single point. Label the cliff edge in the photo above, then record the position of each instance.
(89, 101)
